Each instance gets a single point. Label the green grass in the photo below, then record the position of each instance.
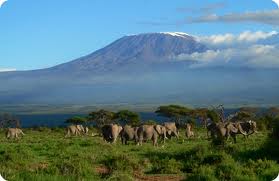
(44, 154)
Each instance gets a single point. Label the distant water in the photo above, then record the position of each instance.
(58, 120)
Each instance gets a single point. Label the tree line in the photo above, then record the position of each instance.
(265, 118)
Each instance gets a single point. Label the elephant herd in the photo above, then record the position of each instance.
(143, 133)
(165, 131)
(76, 130)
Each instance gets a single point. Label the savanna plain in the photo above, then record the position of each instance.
(45, 154)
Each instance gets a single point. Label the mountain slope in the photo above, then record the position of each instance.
(140, 69)
(134, 50)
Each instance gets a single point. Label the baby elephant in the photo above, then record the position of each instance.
(189, 131)
(74, 130)
(14, 133)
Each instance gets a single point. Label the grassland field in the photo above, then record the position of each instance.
(45, 154)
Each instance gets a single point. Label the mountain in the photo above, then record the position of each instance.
(140, 69)
(143, 49)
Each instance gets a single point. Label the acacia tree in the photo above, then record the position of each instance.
(175, 112)
(243, 116)
(76, 120)
(272, 112)
(213, 116)
(202, 114)
(269, 118)
(128, 117)
(101, 117)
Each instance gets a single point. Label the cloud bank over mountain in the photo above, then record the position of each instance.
(248, 49)
(246, 37)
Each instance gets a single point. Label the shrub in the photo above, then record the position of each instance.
(203, 173)
(166, 166)
(122, 163)
(150, 122)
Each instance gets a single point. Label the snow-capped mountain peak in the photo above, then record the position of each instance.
(179, 34)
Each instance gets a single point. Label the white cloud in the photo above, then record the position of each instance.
(246, 37)
(7, 69)
(254, 56)
(270, 17)
(2, 2)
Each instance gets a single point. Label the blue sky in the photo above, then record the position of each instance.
(38, 34)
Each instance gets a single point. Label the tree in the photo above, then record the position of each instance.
(175, 112)
(102, 117)
(202, 114)
(244, 116)
(9, 120)
(272, 112)
(213, 116)
(251, 110)
(150, 122)
(76, 120)
(128, 117)
(268, 118)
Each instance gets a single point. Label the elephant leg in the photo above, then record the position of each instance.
(114, 139)
(228, 136)
(67, 134)
(176, 134)
(140, 141)
(155, 140)
(234, 138)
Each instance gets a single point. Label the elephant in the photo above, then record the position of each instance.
(150, 132)
(14, 133)
(211, 129)
(249, 127)
(86, 130)
(189, 131)
(80, 128)
(224, 130)
(245, 128)
(129, 133)
(171, 129)
(74, 130)
(110, 132)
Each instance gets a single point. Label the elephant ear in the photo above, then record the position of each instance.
(158, 129)
(233, 129)
(120, 129)
(239, 127)
(250, 122)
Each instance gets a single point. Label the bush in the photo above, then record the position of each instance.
(203, 173)
(266, 169)
(150, 122)
(121, 163)
(165, 166)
